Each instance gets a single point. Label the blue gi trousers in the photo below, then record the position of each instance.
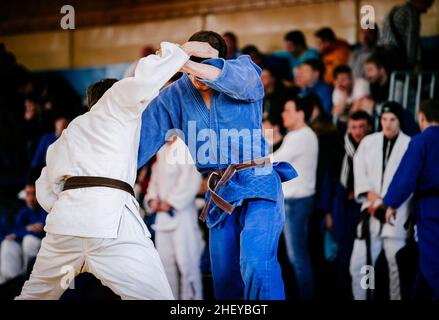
(243, 251)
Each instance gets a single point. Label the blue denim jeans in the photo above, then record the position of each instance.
(297, 215)
(243, 250)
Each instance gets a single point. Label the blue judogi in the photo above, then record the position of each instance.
(26, 216)
(417, 173)
(243, 244)
(39, 159)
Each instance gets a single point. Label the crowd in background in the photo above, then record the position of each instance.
(328, 114)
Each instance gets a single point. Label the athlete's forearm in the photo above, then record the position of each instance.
(200, 70)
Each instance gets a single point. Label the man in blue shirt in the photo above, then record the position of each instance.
(418, 174)
(308, 77)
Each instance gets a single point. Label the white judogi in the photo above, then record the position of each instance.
(178, 239)
(368, 176)
(11, 260)
(99, 229)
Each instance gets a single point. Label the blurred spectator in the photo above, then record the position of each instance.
(7, 271)
(377, 73)
(171, 195)
(232, 45)
(39, 159)
(334, 51)
(275, 93)
(375, 164)
(401, 30)
(308, 77)
(31, 124)
(348, 93)
(345, 211)
(327, 135)
(300, 148)
(23, 243)
(379, 79)
(359, 55)
(296, 49)
(273, 131)
(279, 66)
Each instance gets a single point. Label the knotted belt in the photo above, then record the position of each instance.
(87, 182)
(222, 176)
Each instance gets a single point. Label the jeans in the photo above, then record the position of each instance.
(297, 215)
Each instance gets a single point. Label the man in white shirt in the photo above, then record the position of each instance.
(93, 223)
(348, 93)
(300, 148)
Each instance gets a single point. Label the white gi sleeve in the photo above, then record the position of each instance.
(44, 192)
(152, 73)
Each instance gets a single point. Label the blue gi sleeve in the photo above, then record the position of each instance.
(240, 78)
(161, 115)
(404, 181)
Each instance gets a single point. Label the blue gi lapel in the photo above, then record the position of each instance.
(198, 101)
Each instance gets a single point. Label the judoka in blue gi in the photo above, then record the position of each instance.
(418, 173)
(215, 102)
(23, 240)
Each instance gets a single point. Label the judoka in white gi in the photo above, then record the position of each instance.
(98, 229)
(173, 187)
(375, 164)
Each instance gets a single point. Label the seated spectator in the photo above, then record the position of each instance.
(296, 49)
(308, 77)
(7, 272)
(299, 147)
(39, 159)
(23, 243)
(348, 93)
(378, 74)
(361, 52)
(275, 93)
(334, 51)
(280, 66)
(232, 45)
(31, 125)
(274, 131)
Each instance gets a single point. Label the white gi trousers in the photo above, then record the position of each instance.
(359, 259)
(30, 245)
(11, 260)
(129, 264)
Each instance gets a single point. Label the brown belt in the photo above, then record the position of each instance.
(222, 177)
(88, 182)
